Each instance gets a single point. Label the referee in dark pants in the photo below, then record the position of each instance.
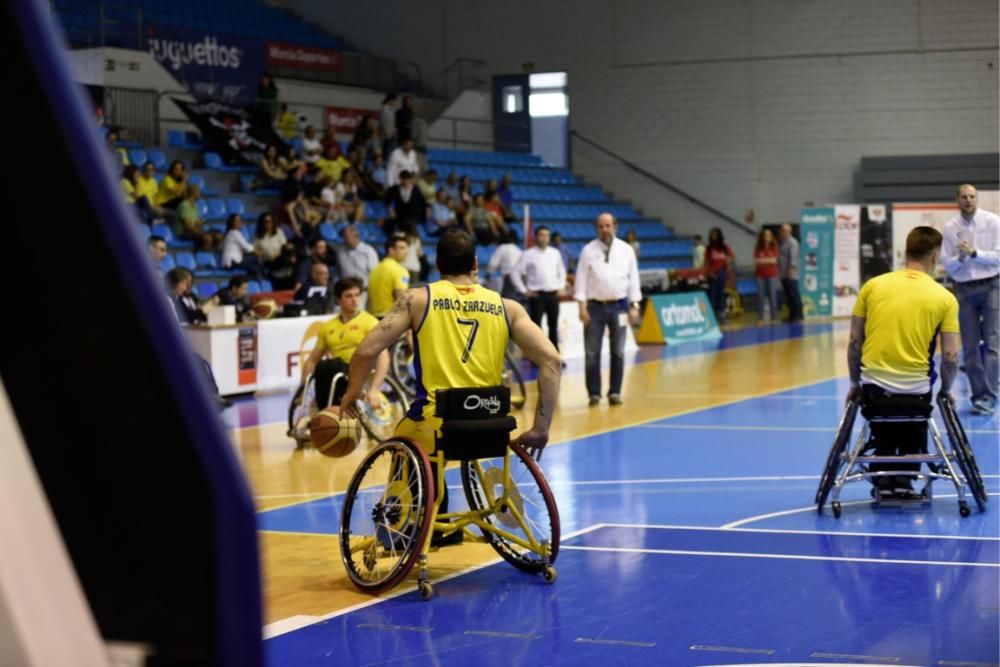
(540, 275)
(607, 289)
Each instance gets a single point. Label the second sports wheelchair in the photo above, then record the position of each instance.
(395, 500)
(955, 464)
(379, 423)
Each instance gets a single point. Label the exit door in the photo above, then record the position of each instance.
(511, 121)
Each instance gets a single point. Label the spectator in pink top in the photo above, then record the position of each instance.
(719, 265)
(765, 259)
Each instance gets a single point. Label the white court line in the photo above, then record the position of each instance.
(737, 554)
(293, 623)
(784, 531)
(731, 427)
(812, 508)
(749, 397)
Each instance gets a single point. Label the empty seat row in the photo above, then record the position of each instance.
(484, 158)
(563, 193)
(577, 211)
(540, 175)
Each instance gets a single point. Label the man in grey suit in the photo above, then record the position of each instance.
(788, 271)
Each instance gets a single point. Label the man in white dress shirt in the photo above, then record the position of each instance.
(607, 289)
(970, 254)
(502, 264)
(355, 259)
(540, 275)
(402, 159)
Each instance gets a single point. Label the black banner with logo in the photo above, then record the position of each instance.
(235, 133)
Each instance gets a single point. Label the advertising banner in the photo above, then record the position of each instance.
(678, 318)
(231, 131)
(302, 57)
(346, 120)
(247, 356)
(816, 261)
(571, 334)
(847, 259)
(876, 241)
(209, 65)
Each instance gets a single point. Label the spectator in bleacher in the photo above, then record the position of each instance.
(607, 291)
(366, 138)
(316, 293)
(540, 275)
(119, 156)
(296, 214)
(464, 200)
(378, 173)
(348, 197)
(322, 195)
(428, 185)
(287, 124)
(420, 135)
(404, 119)
(495, 206)
(389, 280)
(502, 266)
(333, 163)
(632, 239)
(788, 272)
(173, 187)
(387, 124)
(188, 226)
(269, 240)
(236, 294)
(266, 105)
(150, 188)
(506, 193)
(368, 189)
(765, 259)
(719, 264)
(157, 248)
(272, 175)
(312, 148)
(281, 270)
(188, 308)
(451, 186)
(442, 214)
(237, 252)
(415, 260)
(402, 159)
(330, 139)
(131, 187)
(289, 160)
(318, 254)
(404, 203)
(355, 258)
(487, 227)
(567, 257)
(698, 252)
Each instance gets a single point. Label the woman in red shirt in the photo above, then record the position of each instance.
(765, 258)
(718, 264)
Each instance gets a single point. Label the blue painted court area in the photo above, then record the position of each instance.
(696, 543)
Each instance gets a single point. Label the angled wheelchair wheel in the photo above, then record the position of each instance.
(963, 453)
(401, 367)
(528, 493)
(380, 424)
(386, 516)
(835, 460)
(513, 379)
(300, 411)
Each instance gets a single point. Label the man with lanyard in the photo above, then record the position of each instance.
(461, 330)
(607, 289)
(894, 329)
(390, 279)
(544, 276)
(970, 254)
(336, 343)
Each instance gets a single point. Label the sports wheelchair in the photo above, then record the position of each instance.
(957, 464)
(378, 424)
(392, 504)
(402, 370)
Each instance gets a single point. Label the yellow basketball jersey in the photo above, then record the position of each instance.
(460, 342)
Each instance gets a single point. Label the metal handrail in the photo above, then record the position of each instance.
(669, 186)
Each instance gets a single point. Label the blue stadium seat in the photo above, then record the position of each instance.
(202, 207)
(206, 260)
(206, 290)
(253, 287)
(142, 231)
(212, 160)
(216, 209)
(185, 260)
(175, 139)
(167, 263)
(163, 230)
(265, 286)
(235, 206)
(158, 158)
(137, 156)
(328, 232)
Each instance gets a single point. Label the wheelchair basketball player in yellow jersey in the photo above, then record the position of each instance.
(461, 330)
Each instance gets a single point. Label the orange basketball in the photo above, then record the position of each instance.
(333, 436)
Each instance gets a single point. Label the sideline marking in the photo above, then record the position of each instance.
(613, 642)
(783, 531)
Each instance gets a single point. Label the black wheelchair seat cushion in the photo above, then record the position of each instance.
(898, 407)
(474, 422)
(472, 403)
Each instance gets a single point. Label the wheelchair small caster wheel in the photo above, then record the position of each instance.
(549, 574)
(835, 506)
(426, 590)
(963, 508)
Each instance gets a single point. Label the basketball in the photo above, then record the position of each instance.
(265, 309)
(333, 436)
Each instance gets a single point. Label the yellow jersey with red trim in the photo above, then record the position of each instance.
(459, 343)
(387, 277)
(340, 339)
(904, 311)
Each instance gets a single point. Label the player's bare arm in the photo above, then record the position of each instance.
(950, 343)
(854, 346)
(396, 322)
(540, 350)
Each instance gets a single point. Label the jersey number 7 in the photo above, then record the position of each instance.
(472, 337)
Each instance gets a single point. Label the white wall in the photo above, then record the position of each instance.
(466, 124)
(761, 104)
